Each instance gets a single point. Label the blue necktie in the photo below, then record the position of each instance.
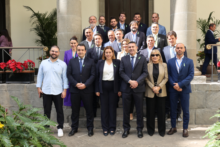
(132, 63)
(80, 65)
(119, 45)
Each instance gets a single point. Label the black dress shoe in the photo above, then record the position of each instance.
(105, 133)
(140, 134)
(112, 132)
(72, 132)
(125, 134)
(90, 133)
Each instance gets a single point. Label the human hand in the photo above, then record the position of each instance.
(63, 95)
(133, 84)
(119, 94)
(97, 93)
(39, 92)
(82, 86)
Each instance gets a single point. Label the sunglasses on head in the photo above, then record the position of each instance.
(155, 55)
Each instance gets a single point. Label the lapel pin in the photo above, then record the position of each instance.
(114, 65)
(83, 65)
(183, 64)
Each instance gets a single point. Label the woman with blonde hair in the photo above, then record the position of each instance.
(156, 92)
(124, 48)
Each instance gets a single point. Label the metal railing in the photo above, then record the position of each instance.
(28, 50)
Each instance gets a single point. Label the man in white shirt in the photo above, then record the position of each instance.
(111, 37)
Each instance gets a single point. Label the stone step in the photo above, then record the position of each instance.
(119, 124)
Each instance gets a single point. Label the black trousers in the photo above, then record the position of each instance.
(87, 99)
(158, 103)
(108, 106)
(132, 105)
(58, 102)
(138, 101)
(208, 57)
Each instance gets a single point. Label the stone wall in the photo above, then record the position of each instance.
(204, 101)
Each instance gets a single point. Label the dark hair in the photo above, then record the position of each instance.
(101, 16)
(73, 38)
(122, 13)
(211, 25)
(55, 47)
(89, 29)
(81, 44)
(112, 18)
(4, 32)
(170, 33)
(132, 42)
(108, 47)
(137, 14)
(97, 34)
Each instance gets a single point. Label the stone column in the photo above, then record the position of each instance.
(183, 21)
(69, 23)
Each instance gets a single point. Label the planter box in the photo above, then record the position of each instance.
(209, 69)
(26, 77)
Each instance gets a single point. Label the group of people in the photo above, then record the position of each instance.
(127, 66)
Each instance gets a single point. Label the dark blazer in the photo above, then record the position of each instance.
(98, 30)
(87, 45)
(142, 28)
(144, 52)
(87, 76)
(166, 53)
(139, 73)
(140, 39)
(106, 29)
(210, 39)
(127, 28)
(91, 53)
(99, 75)
(162, 41)
(183, 78)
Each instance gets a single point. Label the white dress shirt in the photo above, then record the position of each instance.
(155, 39)
(179, 63)
(89, 42)
(172, 51)
(108, 72)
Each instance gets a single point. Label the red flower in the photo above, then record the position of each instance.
(2, 65)
(218, 64)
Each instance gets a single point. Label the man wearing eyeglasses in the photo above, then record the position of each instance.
(150, 46)
(52, 72)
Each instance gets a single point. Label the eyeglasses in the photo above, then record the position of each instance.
(155, 55)
(54, 51)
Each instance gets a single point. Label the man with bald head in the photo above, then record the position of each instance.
(95, 29)
(181, 73)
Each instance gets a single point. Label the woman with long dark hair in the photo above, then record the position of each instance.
(5, 41)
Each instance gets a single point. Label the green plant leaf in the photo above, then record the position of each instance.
(5, 141)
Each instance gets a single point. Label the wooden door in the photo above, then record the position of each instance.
(114, 7)
(2, 15)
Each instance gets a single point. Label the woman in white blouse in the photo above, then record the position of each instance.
(124, 49)
(107, 87)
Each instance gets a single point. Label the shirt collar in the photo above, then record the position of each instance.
(154, 34)
(173, 46)
(212, 31)
(99, 46)
(122, 24)
(88, 40)
(101, 25)
(93, 28)
(180, 58)
(82, 58)
(50, 60)
(133, 56)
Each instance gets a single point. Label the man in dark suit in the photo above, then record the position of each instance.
(133, 71)
(81, 75)
(181, 73)
(102, 25)
(160, 40)
(141, 26)
(210, 39)
(117, 44)
(168, 53)
(150, 46)
(111, 38)
(95, 29)
(89, 42)
(113, 23)
(136, 36)
(122, 25)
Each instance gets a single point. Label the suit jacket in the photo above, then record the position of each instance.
(99, 75)
(138, 74)
(115, 46)
(91, 53)
(210, 39)
(127, 28)
(161, 81)
(98, 30)
(68, 56)
(140, 39)
(87, 44)
(108, 44)
(183, 78)
(87, 76)
(106, 29)
(144, 52)
(166, 53)
(162, 41)
(162, 30)
(142, 28)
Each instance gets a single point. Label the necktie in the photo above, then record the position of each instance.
(80, 65)
(155, 41)
(97, 51)
(119, 45)
(102, 26)
(132, 63)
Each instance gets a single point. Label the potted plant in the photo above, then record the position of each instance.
(203, 25)
(25, 127)
(17, 72)
(2, 68)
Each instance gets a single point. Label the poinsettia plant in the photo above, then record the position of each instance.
(18, 66)
(2, 66)
(218, 64)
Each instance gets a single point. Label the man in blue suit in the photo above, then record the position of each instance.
(81, 75)
(210, 39)
(181, 73)
(133, 71)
